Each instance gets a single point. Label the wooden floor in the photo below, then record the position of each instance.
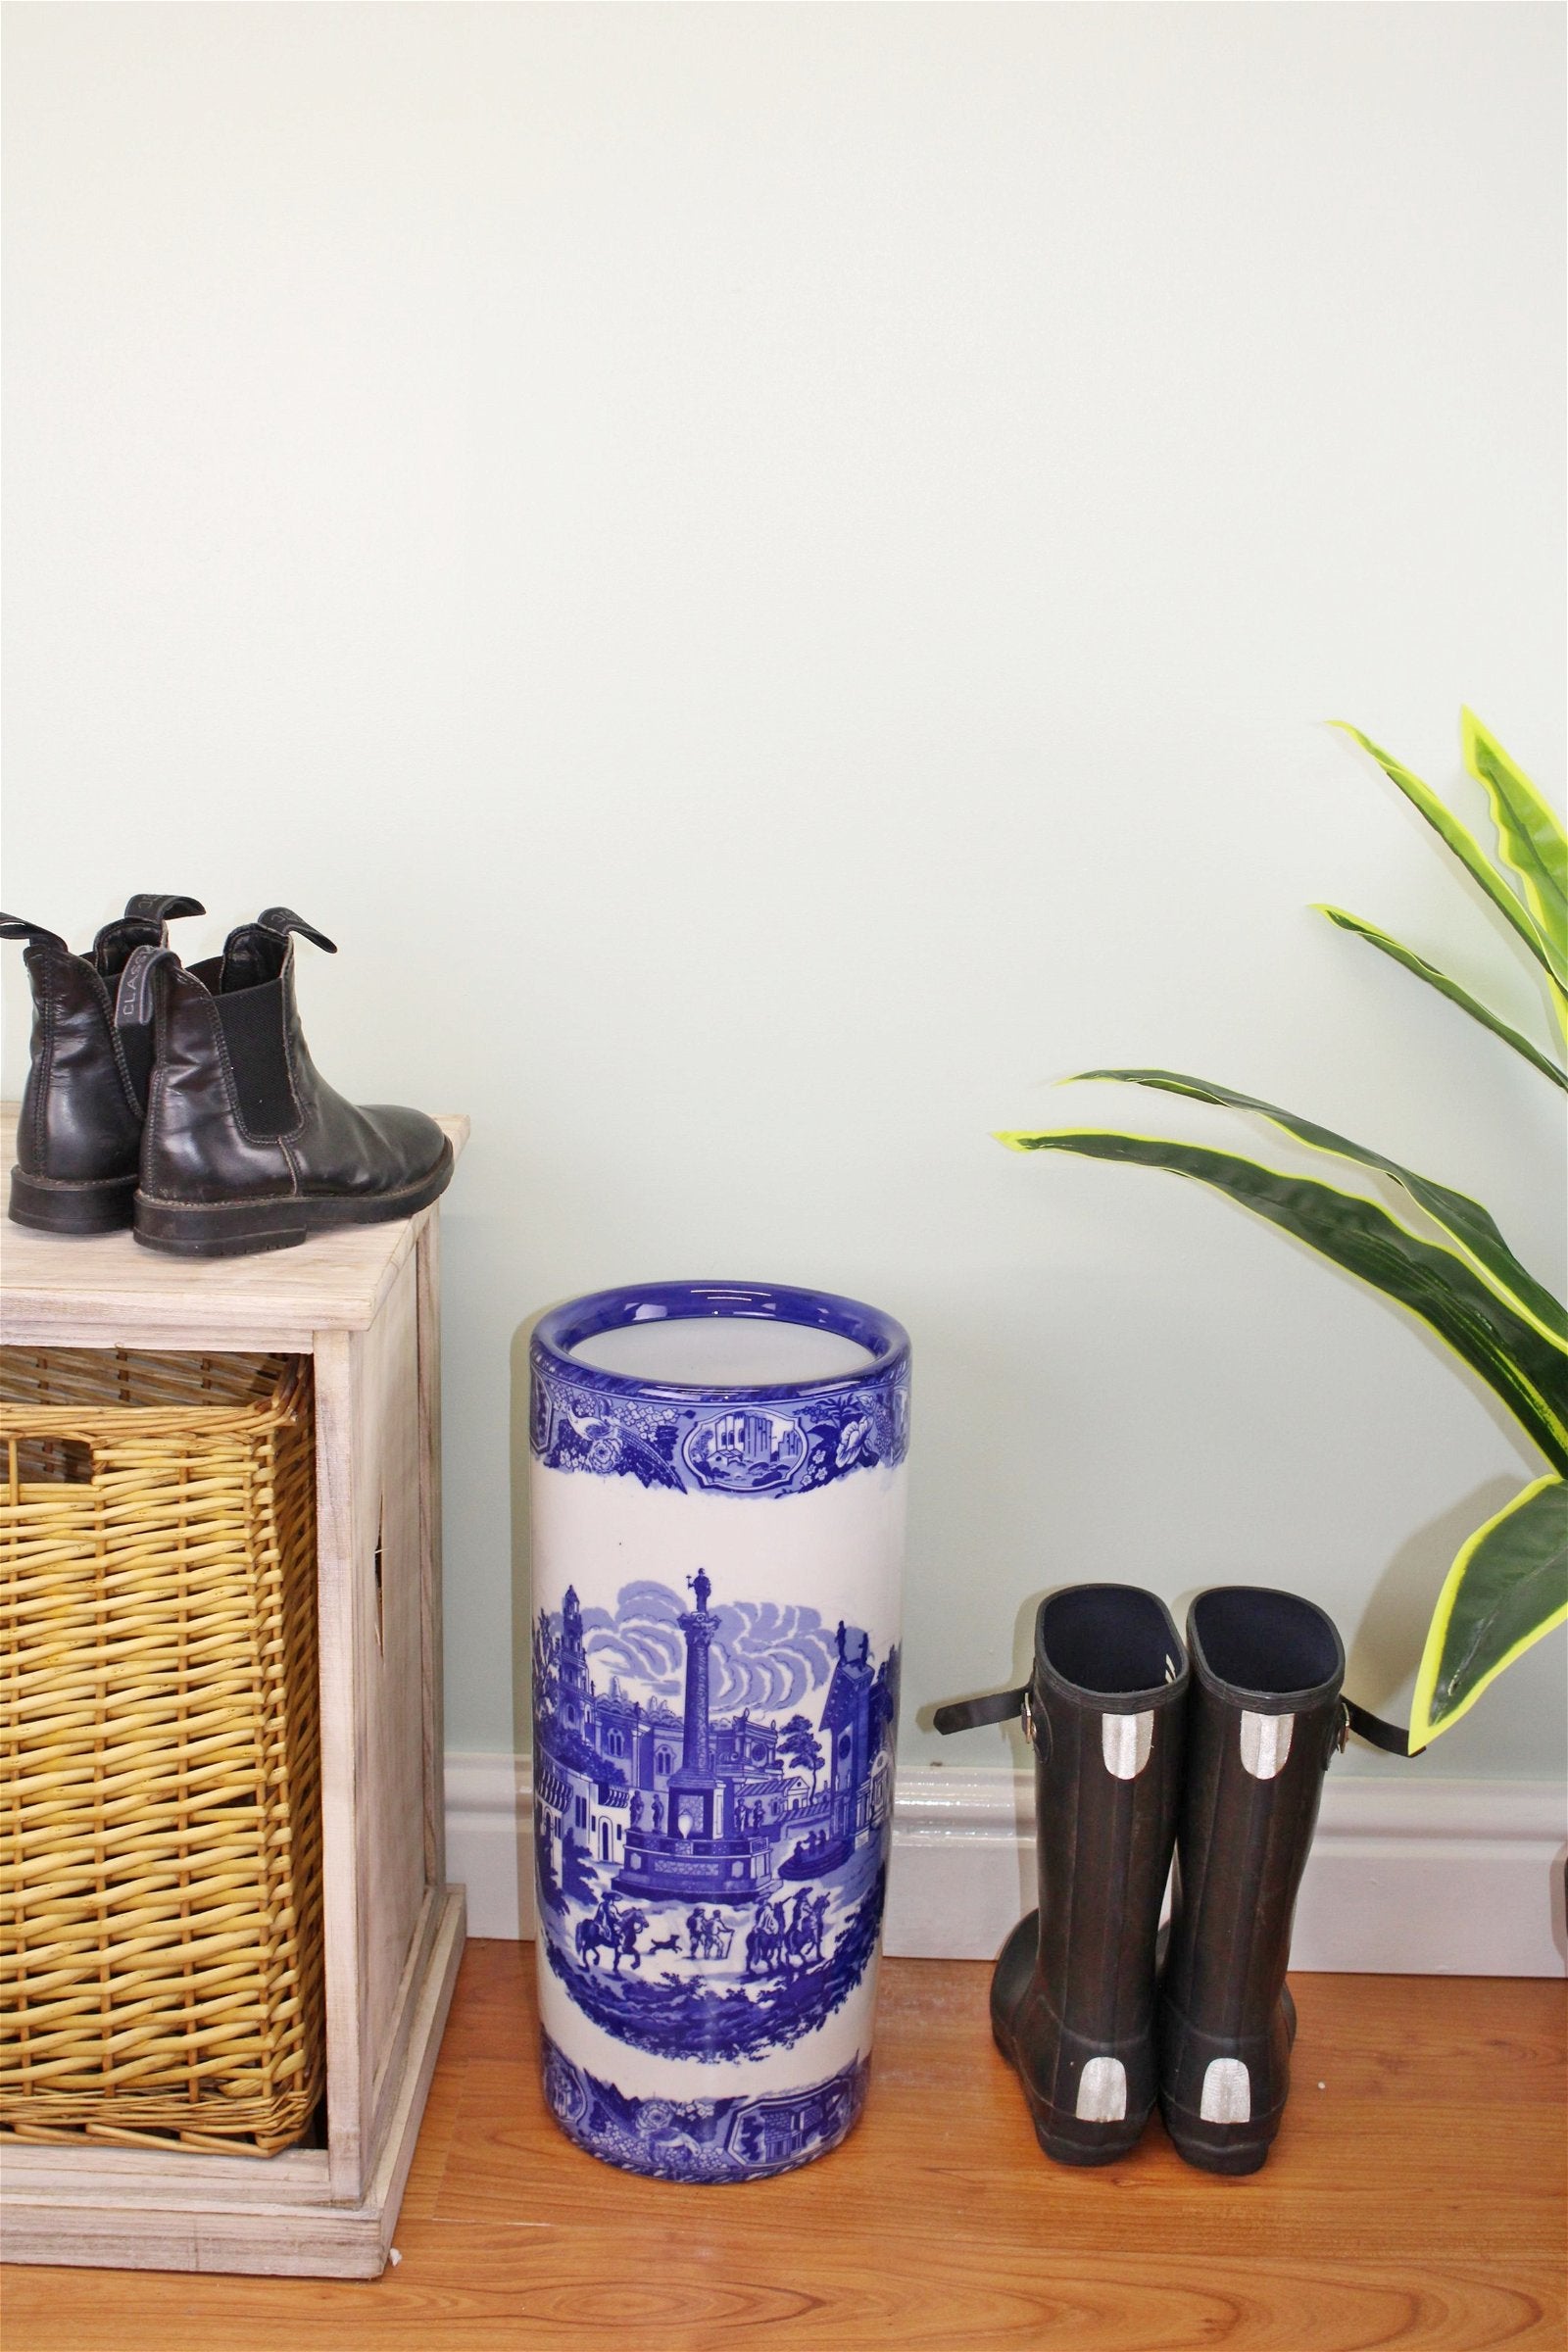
(1415, 2197)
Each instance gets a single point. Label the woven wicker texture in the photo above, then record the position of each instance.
(161, 1966)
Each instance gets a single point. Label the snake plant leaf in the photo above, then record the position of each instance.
(1450, 989)
(1521, 1367)
(1507, 1589)
(1467, 1224)
(1532, 841)
(1470, 854)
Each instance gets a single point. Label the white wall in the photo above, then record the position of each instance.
(771, 573)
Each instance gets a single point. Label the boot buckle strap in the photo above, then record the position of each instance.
(995, 1706)
(1372, 1728)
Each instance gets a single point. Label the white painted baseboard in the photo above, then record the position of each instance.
(1423, 1877)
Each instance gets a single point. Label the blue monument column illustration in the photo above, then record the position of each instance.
(716, 1583)
(698, 1852)
(695, 1797)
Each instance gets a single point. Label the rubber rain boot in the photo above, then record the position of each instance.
(1073, 2000)
(1264, 1720)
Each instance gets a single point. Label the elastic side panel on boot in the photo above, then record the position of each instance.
(1102, 2091)
(1266, 1743)
(252, 1022)
(1227, 2093)
(136, 1045)
(1125, 1742)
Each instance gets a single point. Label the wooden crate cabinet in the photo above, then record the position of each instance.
(365, 1307)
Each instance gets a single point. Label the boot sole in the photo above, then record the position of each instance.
(54, 1205)
(1247, 2156)
(1085, 2153)
(1208, 2147)
(247, 1228)
(1079, 2145)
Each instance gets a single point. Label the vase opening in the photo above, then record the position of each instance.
(721, 1338)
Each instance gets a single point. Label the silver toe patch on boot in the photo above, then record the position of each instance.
(1266, 1743)
(1102, 2091)
(1125, 1742)
(1227, 2090)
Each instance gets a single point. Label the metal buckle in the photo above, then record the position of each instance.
(1027, 1715)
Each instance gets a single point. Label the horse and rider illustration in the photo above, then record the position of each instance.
(759, 1979)
(612, 1928)
(786, 1937)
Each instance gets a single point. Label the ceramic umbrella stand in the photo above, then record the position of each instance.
(717, 1515)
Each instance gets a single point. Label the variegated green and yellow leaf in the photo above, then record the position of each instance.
(1467, 1224)
(1531, 839)
(1507, 1589)
(1515, 1360)
(1450, 989)
(1465, 846)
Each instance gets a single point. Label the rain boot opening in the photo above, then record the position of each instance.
(1266, 1640)
(1109, 1638)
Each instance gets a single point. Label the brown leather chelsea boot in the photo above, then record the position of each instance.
(78, 1139)
(246, 1147)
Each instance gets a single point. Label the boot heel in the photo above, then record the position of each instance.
(50, 1204)
(1087, 2159)
(1209, 2150)
(220, 1228)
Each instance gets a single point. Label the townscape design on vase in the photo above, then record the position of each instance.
(764, 1446)
(711, 1878)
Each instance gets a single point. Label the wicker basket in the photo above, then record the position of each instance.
(161, 1974)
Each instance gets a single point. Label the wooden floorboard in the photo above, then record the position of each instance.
(1415, 2197)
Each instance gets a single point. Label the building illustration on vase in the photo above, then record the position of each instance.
(746, 1452)
(678, 1846)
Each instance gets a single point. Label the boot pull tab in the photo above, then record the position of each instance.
(1372, 1728)
(12, 927)
(142, 925)
(160, 906)
(283, 920)
(136, 998)
(995, 1706)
